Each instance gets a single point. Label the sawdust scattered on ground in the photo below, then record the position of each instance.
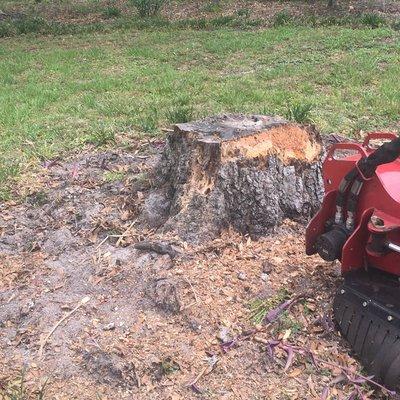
(153, 326)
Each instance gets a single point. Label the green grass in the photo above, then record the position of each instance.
(299, 112)
(16, 389)
(259, 308)
(113, 176)
(58, 93)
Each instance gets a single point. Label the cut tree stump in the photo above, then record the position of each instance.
(245, 172)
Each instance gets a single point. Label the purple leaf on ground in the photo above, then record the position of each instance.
(360, 380)
(271, 348)
(276, 312)
(353, 395)
(271, 352)
(326, 322)
(290, 357)
(357, 380)
(225, 347)
(195, 388)
(325, 393)
(313, 360)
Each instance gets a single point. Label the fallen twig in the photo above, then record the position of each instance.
(205, 371)
(199, 376)
(125, 233)
(102, 242)
(193, 291)
(66, 316)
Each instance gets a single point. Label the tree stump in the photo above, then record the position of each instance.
(245, 172)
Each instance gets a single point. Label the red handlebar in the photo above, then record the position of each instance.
(378, 135)
(346, 146)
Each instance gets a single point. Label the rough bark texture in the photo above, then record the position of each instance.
(245, 172)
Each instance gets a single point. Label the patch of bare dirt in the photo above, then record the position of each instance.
(88, 315)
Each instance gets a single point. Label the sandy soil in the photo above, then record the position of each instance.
(86, 315)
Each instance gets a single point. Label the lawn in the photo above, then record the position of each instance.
(58, 93)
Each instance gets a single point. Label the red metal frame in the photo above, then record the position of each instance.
(380, 197)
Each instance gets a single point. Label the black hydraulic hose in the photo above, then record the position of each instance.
(330, 244)
(385, 154)
(341, 196)
(352, 202)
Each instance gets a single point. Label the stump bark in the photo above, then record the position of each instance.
(245, 172)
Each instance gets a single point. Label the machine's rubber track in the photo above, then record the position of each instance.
(367, 313)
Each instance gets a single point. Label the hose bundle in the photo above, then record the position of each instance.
(365, 169)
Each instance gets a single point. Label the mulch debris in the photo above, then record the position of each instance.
(232, 318)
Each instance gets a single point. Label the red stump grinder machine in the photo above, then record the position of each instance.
(359, 225)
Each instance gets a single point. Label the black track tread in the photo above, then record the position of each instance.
(380, 336)
(346, 320)
(362, 334)
(389, 351)
(383, 351)
(354, 328)
(392, 374)
(339, 308)
(369, 343)
(375, 340)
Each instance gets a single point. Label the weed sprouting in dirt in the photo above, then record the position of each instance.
(38, 198)
(113, 176)
(212, 6)
(282, 18)
(15, 389)
(31, 25)
(259, 308)
(7, 172)
(299, 112)
(286, 322)
(224, 20)
(101, 136)
(149, 121)
(373, 20)
(180, 114)
(148, 8)
(243, 12)
(165, 367)
(182, 111)
(111, 12)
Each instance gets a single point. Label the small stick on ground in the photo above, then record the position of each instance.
(194, 292)
(102, 242)
(66, 316)
(125, 233)
(261, 340)
(199, 376)
(205, 371)
(196, 299)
